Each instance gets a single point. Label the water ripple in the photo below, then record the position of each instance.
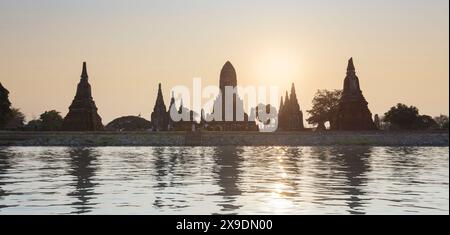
(224, 180)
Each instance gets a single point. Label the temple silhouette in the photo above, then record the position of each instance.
(182, 125)
(83, 114)
(353, 112)
(290, 117)
(161, 120)
(229, 121)
(160, 117)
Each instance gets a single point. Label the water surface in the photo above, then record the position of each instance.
(224, 180)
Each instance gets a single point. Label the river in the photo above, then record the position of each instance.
(224, 180)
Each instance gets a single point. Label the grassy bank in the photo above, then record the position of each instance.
(373, 138)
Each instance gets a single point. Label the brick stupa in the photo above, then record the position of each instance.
(290, 116)
(353, 112)
(230, 120)
(159, 116)
(83, 114)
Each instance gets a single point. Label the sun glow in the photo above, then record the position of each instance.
(277, 65)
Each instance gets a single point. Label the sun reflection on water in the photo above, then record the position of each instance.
(223, 180)
(278, 202)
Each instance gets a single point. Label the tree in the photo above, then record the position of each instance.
(51, 121)
(325, 105)
(34, 125)
(5, 107)
(442, 121)
(402, 116)
(16, 120)
(129, 123)
(425, 122)
(408, 118)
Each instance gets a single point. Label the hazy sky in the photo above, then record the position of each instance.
(400, 49)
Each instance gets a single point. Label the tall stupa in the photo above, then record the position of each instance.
(353, 112)
(230, 120)
(83, 114)
(159, 116)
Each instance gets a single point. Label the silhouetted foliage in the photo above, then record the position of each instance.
(324, 107)
(34, 125)
(5, 107)
(129, 123)
(425, 122)
(51, 121)
(16, 120)
(442, 121)
(402, 116)
(408, 118)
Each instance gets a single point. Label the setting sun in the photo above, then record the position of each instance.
(277, 65)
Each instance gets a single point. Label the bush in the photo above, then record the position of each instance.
(408, 118)
(48, 121)
(442, 122)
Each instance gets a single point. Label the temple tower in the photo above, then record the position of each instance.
(290, 116)
(296, 115)
(83, 114)
(231, 121)
(353, 112)
(159, 117)
(228, 78)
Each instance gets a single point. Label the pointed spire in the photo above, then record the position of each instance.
(159, 92)
(350, 66)
(159, 118)
(160, 99)
(160, 96)
(83, 88)
(293, 89)
(286, 99)
(84, 74)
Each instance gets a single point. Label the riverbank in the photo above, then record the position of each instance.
(372, 138)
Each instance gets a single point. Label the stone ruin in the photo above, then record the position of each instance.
(83, 114)
(353, 113)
